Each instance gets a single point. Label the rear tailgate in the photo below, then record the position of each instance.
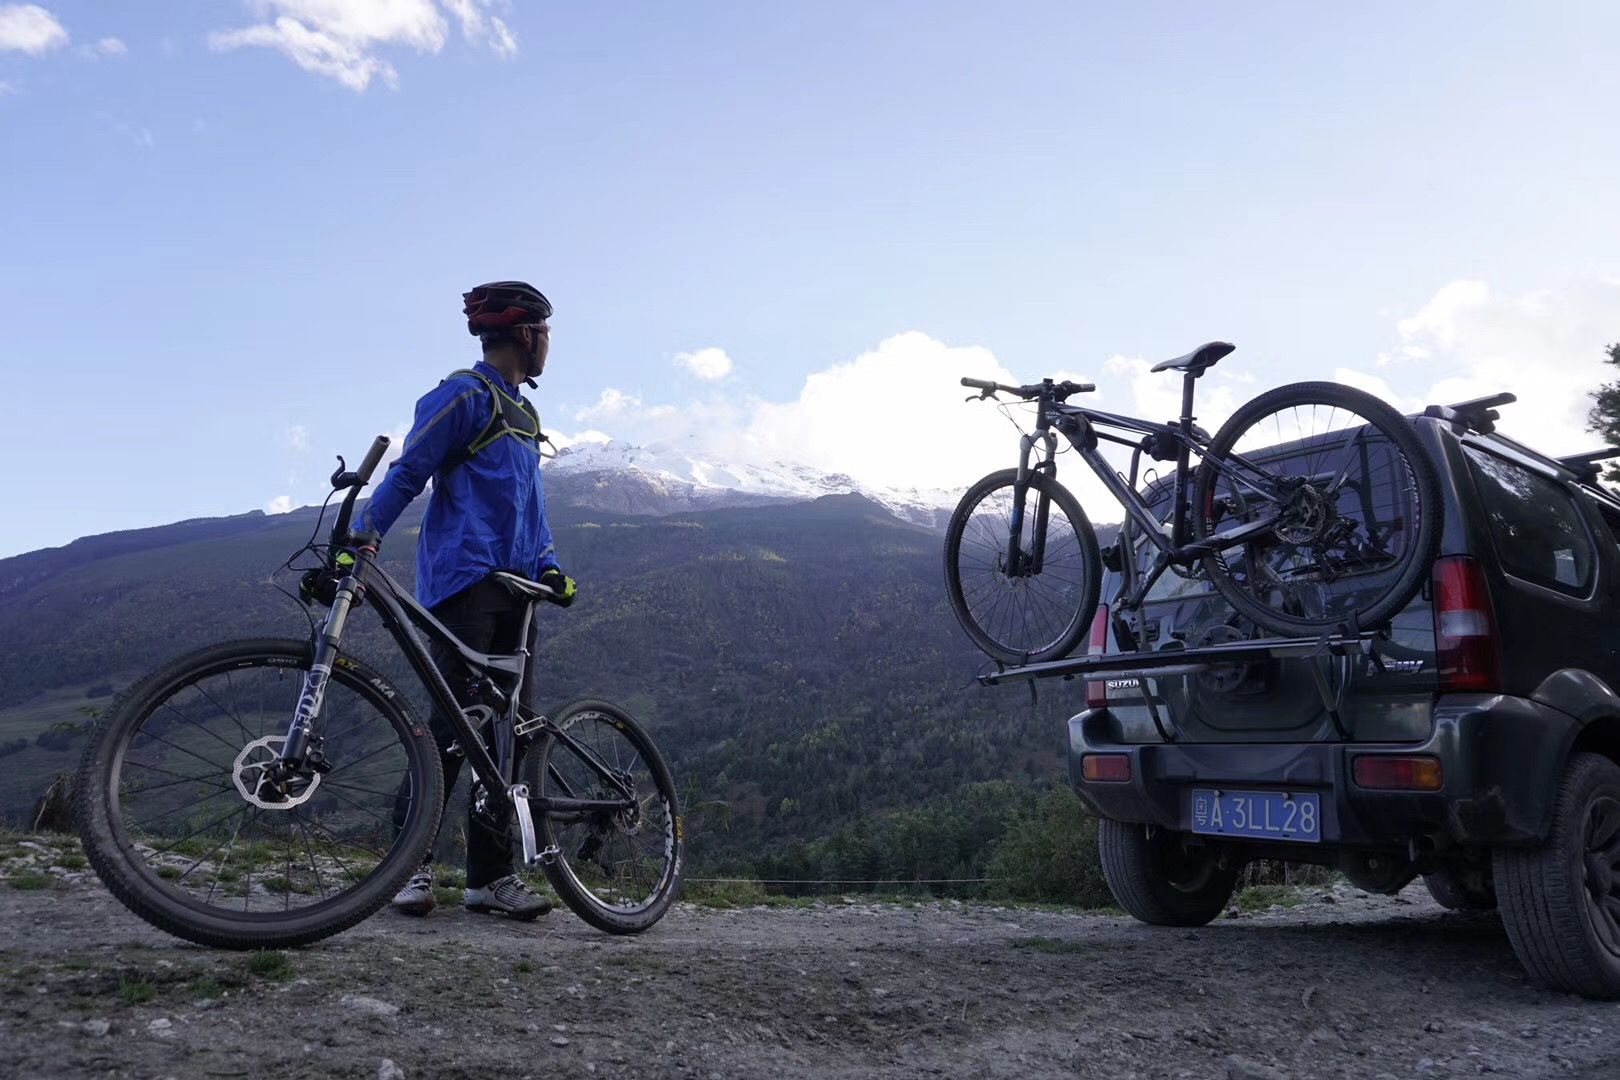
(1383, 698)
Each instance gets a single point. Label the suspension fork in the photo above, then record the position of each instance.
(301, 731)
(1043, 504)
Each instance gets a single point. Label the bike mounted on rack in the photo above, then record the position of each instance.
(1124, 612)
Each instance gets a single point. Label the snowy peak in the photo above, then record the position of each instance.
(664, 479)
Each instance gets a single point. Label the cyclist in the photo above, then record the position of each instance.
(478, 439)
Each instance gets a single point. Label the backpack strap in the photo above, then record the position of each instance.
(507, 416)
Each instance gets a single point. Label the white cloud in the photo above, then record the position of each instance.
(579, 438)
(708, 364)
(502, 40)
(31, 29)
(281, 504)
(618, 405)
(107, 46)
(339, 39)
(7, 89)
(295, 438)
(1546, 346)
(480, 29)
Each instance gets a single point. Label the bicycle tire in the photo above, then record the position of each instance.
(1079, 618)
(112, 851)
(559, 868)
(1418, 556)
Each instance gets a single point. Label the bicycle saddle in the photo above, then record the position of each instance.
(522, 586)
(1199, 360)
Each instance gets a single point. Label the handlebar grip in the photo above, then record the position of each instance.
(379, 446)
(1080, 387)
(979, 384)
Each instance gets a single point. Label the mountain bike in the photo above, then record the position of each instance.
(1313, 508)
(268, 793)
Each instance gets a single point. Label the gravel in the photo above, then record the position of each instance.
(1362, 987)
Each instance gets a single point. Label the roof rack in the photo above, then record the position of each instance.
(1477, 415)
(1585, 466)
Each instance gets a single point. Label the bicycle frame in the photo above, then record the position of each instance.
(1084, 430)
(403, 617)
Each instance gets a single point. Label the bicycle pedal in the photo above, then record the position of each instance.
(529, 725)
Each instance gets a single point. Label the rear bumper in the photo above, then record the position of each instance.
(1500, 758)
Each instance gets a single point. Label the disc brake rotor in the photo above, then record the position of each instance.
(251, 774)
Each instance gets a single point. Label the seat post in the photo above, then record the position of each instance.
(1187, 383)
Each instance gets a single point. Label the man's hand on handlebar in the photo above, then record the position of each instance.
(561, 585)
(364, 538)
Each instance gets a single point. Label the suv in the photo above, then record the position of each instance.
(1475, 742)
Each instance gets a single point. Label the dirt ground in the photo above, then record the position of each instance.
(1341, 985)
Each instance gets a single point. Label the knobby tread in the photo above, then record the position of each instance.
(580, 901)
(1091, 559)
(1399, 430)
(1540, 889)
(92, 810)
(1126, 854)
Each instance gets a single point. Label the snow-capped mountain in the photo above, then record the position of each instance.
(662, 479)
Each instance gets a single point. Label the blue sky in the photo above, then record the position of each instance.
(219, 267)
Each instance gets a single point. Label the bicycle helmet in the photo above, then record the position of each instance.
(502, 305)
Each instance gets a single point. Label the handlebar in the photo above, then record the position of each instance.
(354, 481)
(1048, 388)
(379, 446)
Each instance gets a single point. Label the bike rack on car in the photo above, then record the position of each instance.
(1101, 667)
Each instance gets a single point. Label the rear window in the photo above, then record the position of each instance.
(1176, 583)
(1535, 524)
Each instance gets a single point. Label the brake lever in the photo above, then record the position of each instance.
(981, 395)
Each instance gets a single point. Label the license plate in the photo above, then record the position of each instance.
(1270, 815)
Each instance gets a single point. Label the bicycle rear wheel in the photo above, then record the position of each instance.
(1356, 502)
(177, 828)
(617, 866)
(1037, 609)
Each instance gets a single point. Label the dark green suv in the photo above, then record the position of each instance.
(1475, 744)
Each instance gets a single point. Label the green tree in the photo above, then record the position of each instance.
(1605, 415)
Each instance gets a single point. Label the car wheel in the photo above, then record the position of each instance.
(1561, 900)
(1160, 878)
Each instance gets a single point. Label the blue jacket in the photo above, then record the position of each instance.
(489, 513)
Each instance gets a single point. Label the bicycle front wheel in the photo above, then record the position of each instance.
(177, 827)
(1354, 501)
(611, 839)
(1022, 570)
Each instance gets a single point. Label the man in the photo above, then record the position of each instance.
(478, 438)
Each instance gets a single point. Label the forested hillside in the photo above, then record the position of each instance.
(797, 661)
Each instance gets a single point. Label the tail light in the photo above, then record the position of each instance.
(1107, 768)
(1419, 773)
(1468, 650)
(1097, 691)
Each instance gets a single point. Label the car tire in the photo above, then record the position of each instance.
(1560, 899)
(1159, 879)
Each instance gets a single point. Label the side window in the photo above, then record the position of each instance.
(1611, 518)
(1535, 524)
